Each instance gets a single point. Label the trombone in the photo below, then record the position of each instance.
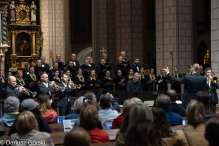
(28, 92)
(215, 79)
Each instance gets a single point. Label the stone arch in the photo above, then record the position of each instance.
(83, 54)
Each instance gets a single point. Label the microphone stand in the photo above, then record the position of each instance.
(172, 60)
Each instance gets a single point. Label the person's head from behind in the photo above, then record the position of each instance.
(163, 101)
(172, 94)
(105, 101)
(44, 103)
(89, 117)
(135, 100)
(11, 104)
(140, 112)
(194, 68)
(90, 102)
(78, 136)
(203, 97)
(195, 112)
(128, 103)
(143, 133)
(26, 122)
(161, 121)
(78, 104)
(212, 131)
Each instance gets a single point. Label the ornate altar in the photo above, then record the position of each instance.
(24, 37)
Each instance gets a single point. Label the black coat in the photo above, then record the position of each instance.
(119, 87)
(45, 67)
(92, 66)
(107, 88)
(25, 74)
(77, 81)
(61, 65)
(42, 89)
(85, 71)
(75, 62)
(52, 71)
(143, 82)
(100, 72)
(192, 84)
(176, 86)
(214, 87)
(88, 82)
(179, 109)
(33, 86)
(68, 93)
(124, 70)
(107, 62)
(11, 91)
(3, 83)
(135, 69)
(162, 86)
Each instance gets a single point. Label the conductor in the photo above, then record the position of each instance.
(193, 83)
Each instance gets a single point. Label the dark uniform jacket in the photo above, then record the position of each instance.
(11, 91)
(42, 89)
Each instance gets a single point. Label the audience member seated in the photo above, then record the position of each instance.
(163, 101)
(31, 105)
(49, 115)
(78, 136)
(176, 108)
(92, 96)
(127, 105)
(139, 112)
(106, 114)
(28, 130)
(212, 131)
(78, 104)
(89, 102)
(144, 133)
(204, 97)
(193, 133)
(11, 106)
(161, 122)
(88, 120)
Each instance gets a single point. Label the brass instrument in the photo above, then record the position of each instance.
(28, 92)
(215, 79)
(57, 86)
(79, 86)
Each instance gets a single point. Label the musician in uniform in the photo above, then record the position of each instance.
(92, 82)
(45, 66)
(120, 66)
(79, 80)
(86, 69)
(56, 77)
(44, 87)
(72, 68)
(20, 80)
(188, 72)
(136, 67)
(212, 86)
(120, 81)
(32, 80)
(130, 76)
(73, 59)
(143, 79)
(61, 65)
(11, 89)
(65, 95)
(176, 86)
(90, 64)
(68, 73)
(38, 69)
(26, 71)
(108, 83)
(55, 67)
(152, 79)
(201, 72)
(107, 62)
(101, 69)
(162, 81)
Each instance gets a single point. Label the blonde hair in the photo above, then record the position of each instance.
(44, 104)
(128, 103)
(195, 112)
(19, 71)
(26, 122)
(135, 100)
(195, 67)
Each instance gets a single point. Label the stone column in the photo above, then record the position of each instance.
(215, 36)
(54, 15)
(174, 33)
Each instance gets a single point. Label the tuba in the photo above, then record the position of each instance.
(215, 79)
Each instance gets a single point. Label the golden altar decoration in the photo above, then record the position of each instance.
(24, 37)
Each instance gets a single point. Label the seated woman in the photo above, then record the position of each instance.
(28, 130)
(107, 81)
(79, 79)
(88, 120)
(31, 105)
(11, 106)
(194, 132)
(56, 78)
(120, 81)
(143, 79)
(161, 122)
(49, 115)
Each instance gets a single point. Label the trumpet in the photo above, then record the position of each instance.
(57, 86)
(72, 85)
(79, 86)
(28, 92)
(215, 79)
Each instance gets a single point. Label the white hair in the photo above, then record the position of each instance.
(42, 57)
(78, 103)
(11, 104)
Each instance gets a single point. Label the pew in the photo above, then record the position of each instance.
(104, 144)
(57, 128)
(5, 129)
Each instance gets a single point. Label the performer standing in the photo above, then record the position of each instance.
(152, 79)
(136, 67)
(26, 71)
(73, 59)
(56, 78)
(107, 62)
(72, 68)
(86, 69)
(212, 86)
(80, 80)
(61, 65)
(92, 82)
(120, 66)
(55, 67)
(108, 83)
(100, 69)
(38, 69)
(65, 96)
(120, 81)
(130, 76)
(201, 72)
(142, 79)
(162, 81)
(32, 80)
(20, 80)
(45, 66)
(176, 86)
(90, 64)
(188, 72)
(193, 83)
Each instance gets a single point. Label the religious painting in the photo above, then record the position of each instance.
(23, 44)
(22, 15)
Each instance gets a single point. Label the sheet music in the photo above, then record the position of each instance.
(68, 125)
